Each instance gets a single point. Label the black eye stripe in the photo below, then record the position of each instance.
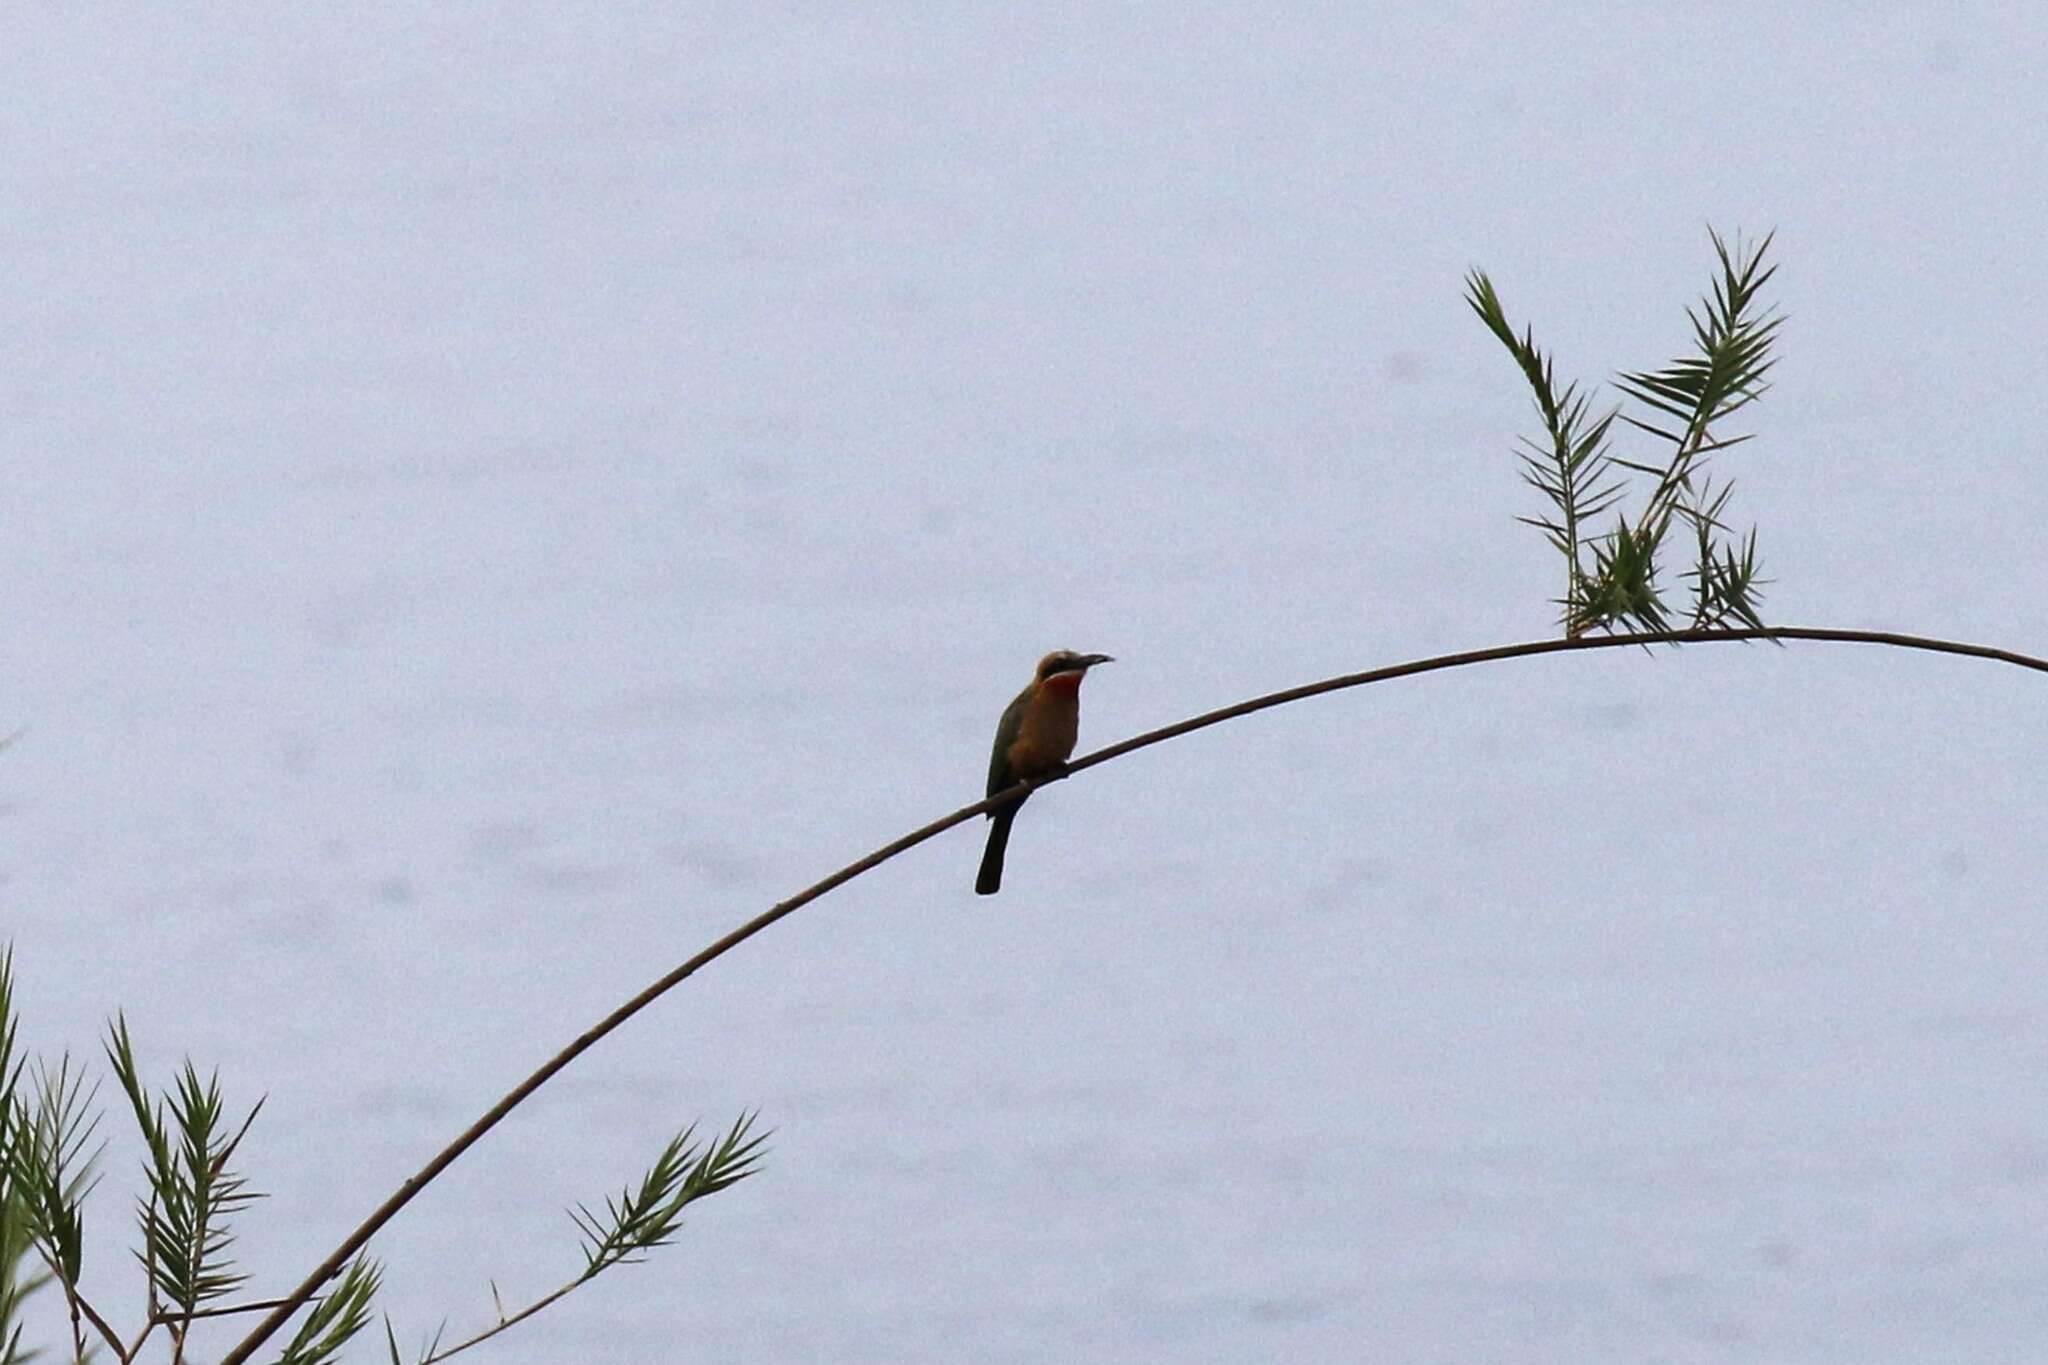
(1067, 661)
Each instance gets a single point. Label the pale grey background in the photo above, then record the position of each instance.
(495, 496)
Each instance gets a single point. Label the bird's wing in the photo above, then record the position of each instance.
(999, 774)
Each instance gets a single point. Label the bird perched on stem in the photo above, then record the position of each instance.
(1033, 740)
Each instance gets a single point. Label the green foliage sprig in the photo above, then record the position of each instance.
(336, 1318)
(52, 1128)
(1683, 405)
(49, 1157)
(192, 1191)
(16, 1242)
(644, 1216)
(19, 1195)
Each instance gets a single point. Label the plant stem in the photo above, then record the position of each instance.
(720, 947)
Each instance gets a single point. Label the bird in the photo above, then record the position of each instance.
(1033, 740)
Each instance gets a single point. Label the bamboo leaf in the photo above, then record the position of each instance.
(647, 1216)
(338, 1317)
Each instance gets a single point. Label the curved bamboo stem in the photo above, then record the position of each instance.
(719, 948)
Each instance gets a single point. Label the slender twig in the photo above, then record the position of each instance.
(150, 1304)
(720, 947)
(78, 1308)
(81, 1308)
(230, 1310)
(503, 1322)
(158, 1318)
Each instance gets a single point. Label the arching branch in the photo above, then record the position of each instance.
(447, 1156)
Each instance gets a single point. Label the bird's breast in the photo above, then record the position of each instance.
(1045, 737)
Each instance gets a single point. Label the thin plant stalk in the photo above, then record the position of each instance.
(447, 1156)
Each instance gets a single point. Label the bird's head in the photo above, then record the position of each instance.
(1068, 666)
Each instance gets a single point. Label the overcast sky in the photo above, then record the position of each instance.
(496, 496)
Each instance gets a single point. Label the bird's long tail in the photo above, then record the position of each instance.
(991, 879)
